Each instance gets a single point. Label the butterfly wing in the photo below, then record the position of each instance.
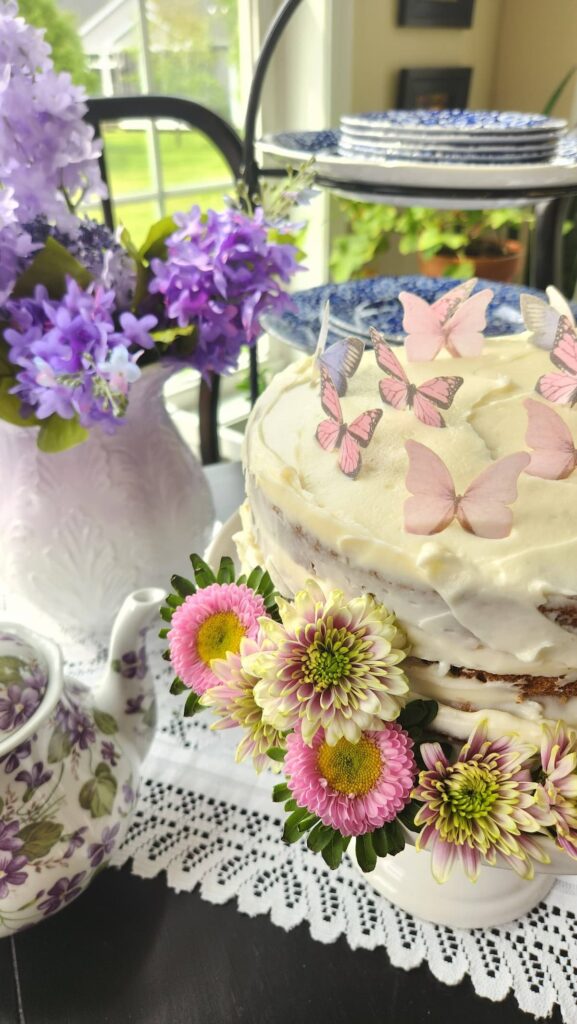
(425, 411)
(564, 354)
(329, 433)
(464, 328)
(483, 508)
(386, 358)
(539, 318)
(423, 326)
(554, 456)
(440, 390)
(394, 392)
(560, 304)
(350, 457)
(342, 361)
(446, 305)
(560, 388)
(432, 505)
(363, 427)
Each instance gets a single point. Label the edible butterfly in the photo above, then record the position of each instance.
(426, 399)
(554, 454)
(561, 388)
(542, 318)
(334, 433)
(341, 359)
(481, 510)
(455, 321)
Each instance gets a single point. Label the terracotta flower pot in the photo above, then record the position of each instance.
(494, 268)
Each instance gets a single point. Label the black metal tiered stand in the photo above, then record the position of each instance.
(550, 202)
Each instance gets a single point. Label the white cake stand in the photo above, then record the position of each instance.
(497, 897)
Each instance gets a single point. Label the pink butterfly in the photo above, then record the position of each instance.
(555, 455)
(482, 509)
(401, 394)
(455, 321)
(334, 433)
(561, 388)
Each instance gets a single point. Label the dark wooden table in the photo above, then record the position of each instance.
(130, 951)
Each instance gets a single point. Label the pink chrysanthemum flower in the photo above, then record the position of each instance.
(559, 764)
(233, 700)
(333, 665)
(208, 625)
(353, 787)
(482, 808)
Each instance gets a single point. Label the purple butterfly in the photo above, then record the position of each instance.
(342, 359)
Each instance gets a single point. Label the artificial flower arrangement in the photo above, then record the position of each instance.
(317, 689)
(82, 309)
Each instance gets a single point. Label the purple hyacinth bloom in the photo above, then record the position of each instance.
(98, 851)
(75, 841)
(36, 777)
(11, 761)
(8, 836)
(17, 705)
(221, 273)
(63, 891)
(109, 753)
(10, 871)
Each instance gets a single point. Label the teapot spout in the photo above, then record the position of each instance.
(126, 693)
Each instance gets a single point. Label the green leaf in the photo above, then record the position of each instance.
(556, 94)
(59, 746)
(105, 722)
(380, 843)
(50, 267)
(182, 586)
(177, 686)
(149, 717)
(225, 572)
(320, 837)
(418, 712)
(395, 837)
(163, 633)
(291, 831)
(11, 668)
(281, 792)
(10, 405)
(276, 753)
(97, 795)
(174, 601)
(166, 613)
(332, 853)
(255, 577)
(39, 838)
(154, 243)
(203, 574)
(57, 434)
(291, 805)
(193, 705)
(366, 855)
(165, 654)
(306, 823)
(408, 814)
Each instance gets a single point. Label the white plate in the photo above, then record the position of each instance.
(374, 171)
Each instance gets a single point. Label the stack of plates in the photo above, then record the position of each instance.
(452, 136)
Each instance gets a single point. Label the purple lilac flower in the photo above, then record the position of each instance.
(221, 274)
(17, 705)
(10, 871)
(47, 151)
(73, 360)
(63, 891)
(134, 705)
(11, 761)
(36, 777)
(109, 753)
(98, 851)
(8, 836)
(75, 841)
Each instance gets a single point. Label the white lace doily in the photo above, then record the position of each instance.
(208, 822)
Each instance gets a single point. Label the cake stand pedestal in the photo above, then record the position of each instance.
(497, 897)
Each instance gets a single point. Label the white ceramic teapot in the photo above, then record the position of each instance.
(69, 761)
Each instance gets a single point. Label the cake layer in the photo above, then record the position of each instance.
(504, 606)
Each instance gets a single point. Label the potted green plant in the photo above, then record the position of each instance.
(449, 243)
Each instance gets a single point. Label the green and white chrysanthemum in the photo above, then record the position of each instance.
(233, 701)
(333, 664)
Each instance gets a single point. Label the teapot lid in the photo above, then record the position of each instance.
(24, 673)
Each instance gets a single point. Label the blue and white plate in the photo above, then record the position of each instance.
(357, 305)
(456, 140)
(471, 121)
(475, 155)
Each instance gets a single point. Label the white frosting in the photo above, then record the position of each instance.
(463, 599)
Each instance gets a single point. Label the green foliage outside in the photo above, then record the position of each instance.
(62, 36)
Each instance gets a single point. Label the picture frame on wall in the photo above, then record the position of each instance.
(433, 88)
(435, 13)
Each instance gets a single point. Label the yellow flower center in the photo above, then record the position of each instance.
(352, 768)
(219, 633)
